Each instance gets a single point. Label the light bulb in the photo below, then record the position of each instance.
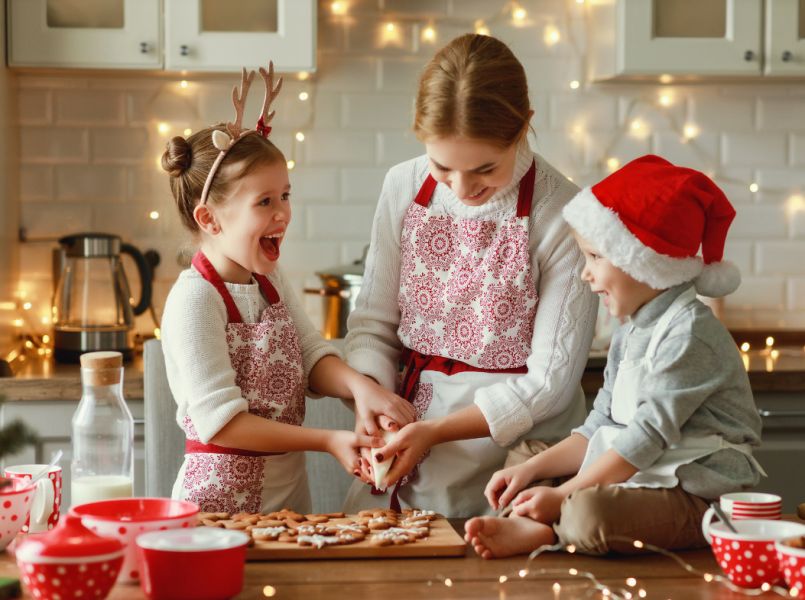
(184, 84)
(551, 36)
(163, 127)
(428, 34)
(690, 131)
(303, 96)
(187, 132)
(302, 75)
(666, 100)
(613, 163)
(300, 137)
(665, 78)
(481, 28)
(574, 85)
(519, 14)
(339, 8)
(753, 187)
(291, 164)
(390, 27)
(745, 347)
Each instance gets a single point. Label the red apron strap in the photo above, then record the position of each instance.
(196, 447)
(269, 291)
(426, 191)
(526, 194)
(208, 272)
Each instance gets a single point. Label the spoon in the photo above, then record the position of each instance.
(56, 457)
(722, 515)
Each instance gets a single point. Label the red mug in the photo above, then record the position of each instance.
(46, 504)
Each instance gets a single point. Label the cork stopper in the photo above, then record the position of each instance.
(101, 368)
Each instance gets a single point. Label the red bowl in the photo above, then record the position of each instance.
(792, 564)
(126, 518)
(202, 563)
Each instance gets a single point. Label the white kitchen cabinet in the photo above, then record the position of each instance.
(85, 33)
(699, 38)
(785, 38)
(208, 35)
(51, 422)
(177, 35)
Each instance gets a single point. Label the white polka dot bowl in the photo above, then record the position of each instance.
(791, 554)
(15, 505)
(749, 558)
(69, 562)
(202, 563)
(126, 518)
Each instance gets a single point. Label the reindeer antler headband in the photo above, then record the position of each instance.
(225, 142)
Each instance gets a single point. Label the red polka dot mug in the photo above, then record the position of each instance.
(46, 505)
(749, 558)
(15, 504)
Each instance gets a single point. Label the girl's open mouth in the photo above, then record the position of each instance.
(270, 245)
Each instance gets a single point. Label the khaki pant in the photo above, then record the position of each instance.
(666, 517)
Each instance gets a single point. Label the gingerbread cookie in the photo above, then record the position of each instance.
(318, 541)
(264, 534)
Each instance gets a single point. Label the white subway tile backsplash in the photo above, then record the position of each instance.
(754, 149)
(701, 154)
(722, 113)
(797, 223)
(339, 147)
(593, 112)
(378, 111)
(780, 114)
(754, 222)
(758, 293)
(52, 145)
(360, 185)
(342, 222)
(796, 294)
(119, 145)
(34, 106)
(400, 74)
(314, 184)
(88, 107)
(780, 258)
(396, 146)
(88, 183)
(798, 148)
(36, 182)
(336, 73)
(740, 253)
(51, 219)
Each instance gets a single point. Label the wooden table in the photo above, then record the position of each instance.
(472, 577)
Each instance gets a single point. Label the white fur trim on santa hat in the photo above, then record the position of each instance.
(603, 229)
(718, 279)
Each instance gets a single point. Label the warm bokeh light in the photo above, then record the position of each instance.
(163, 127)
(551, 35)
(481, 28)
(429, 34)
(519, 15)
(291, 164)
(613, 163)
(574, 85)
(339, 8)
(665, 78)
(187, 132)
(300, 137)
(303, 96)
(303, 75)
(745, 347)
(184, 84)
(666, 99)
(690, 131)
(154, 214)
(753, 187)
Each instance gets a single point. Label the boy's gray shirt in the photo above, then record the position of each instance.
(697, 386)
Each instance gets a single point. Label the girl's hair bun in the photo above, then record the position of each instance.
(177, 157)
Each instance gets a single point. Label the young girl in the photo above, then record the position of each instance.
(239, 349)
(675, 422)
(467, 241)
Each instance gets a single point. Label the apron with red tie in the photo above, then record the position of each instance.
(267, 360)
(467, 303)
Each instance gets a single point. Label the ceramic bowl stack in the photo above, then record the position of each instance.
(69, 562)
(126, 518)
(791, 554)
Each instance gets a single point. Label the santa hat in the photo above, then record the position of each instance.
(649, 219)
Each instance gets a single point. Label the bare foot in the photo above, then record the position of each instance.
(497, 537)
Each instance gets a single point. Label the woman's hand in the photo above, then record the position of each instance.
(365, 462)
(345, 445)
(373, 401)
(409, 446)
(504, 485)
(540, 503)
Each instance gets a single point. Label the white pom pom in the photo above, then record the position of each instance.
(221, 140)
(718, 279)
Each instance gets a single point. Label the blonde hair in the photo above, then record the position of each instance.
(474, 87)
(188, 161)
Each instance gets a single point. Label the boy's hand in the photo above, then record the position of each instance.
(540, 503)
(504, 485)
(373, 401)
(344, 446)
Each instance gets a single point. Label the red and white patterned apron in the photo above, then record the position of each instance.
(267, 360)
(467, 307)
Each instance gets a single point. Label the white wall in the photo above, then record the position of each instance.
(89, 144)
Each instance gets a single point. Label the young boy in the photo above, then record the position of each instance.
(675, 421)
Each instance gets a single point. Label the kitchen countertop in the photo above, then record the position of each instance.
(471, 577)
(41, 378)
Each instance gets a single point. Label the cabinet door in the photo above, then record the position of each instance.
(695, 37)
(84, 33)
(785, 37)
(211, 35)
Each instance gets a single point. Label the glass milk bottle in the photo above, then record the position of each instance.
(103, 432)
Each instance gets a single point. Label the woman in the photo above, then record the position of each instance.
(467, 241)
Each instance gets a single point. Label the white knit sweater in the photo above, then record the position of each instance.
(565, 319)
(200, 373)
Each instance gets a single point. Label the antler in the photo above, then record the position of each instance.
(239, 100)
(272, 92)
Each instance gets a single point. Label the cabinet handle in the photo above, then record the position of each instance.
(781, 413)
(144, 47)
(184, 50)
(749, 55)
(787, 56)
(139, 421)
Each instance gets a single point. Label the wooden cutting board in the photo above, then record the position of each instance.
(443, 541)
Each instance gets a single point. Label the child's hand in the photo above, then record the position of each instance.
(373, 400)
(504, 485)
(345, 445)
(540, 503)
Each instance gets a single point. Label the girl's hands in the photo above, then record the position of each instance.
(409, 446)
(345, 446)
(504, 485)
(540, 503)
(373, 401)
(365, 467)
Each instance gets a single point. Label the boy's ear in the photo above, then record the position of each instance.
(205, 219)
